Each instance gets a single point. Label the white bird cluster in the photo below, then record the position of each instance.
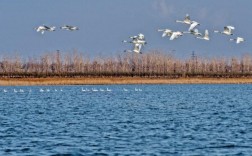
(191, 30)
(228, 30)
(44, 28)
(42, 90)
(137, 41)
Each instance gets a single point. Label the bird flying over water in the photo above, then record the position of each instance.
(44, 28)
(173, 34)
(193, 25)
(137, 41)
(205, 37)
(194, 32)
(69, 27)
(166, 32)
(186, 20)
(238, 40)
(227, 30)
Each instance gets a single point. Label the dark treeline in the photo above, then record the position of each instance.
(153, 64)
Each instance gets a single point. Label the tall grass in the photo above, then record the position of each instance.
(153, 64)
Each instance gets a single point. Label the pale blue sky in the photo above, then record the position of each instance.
(104, 24)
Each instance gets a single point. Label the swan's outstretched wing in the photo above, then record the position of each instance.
(228, 29)
(46, 27)
(141, 36)
(174, 35)
(193, 25)
(239, 40)
(137, 48)
(206, 33)
(167, 32)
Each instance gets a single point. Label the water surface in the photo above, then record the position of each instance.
(159, 120)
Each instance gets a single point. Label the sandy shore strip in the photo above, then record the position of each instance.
(126, 80)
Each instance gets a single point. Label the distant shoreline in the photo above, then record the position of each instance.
(121, 80)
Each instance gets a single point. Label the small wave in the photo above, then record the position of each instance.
(227, 146)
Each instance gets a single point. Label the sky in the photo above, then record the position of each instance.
(104, 24)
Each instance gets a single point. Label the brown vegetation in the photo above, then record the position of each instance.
(116, 80)
(161, 67)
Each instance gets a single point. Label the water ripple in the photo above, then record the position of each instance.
(160, 120)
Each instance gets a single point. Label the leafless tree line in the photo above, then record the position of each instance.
(152, 64)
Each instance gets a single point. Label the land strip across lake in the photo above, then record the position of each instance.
(119, 80)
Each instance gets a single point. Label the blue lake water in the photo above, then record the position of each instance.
(159, 120)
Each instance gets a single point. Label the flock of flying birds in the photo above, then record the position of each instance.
(138, 41)
(44, 28)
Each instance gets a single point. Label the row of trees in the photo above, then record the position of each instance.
(151, 64)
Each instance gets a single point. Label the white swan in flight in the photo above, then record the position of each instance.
(176, 35)
(238, 40)
(227, 30)
(138, 42)
(166, 32)
(69, 27)
(194, 32)
(173, 34)
(44, 28)
(186, 20)
(140, 36)
(205, 37)
(193, 25)
(136, 49)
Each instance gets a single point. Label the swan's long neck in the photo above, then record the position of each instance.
(180, 21)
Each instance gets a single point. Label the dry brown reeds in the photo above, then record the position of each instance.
(152, 65)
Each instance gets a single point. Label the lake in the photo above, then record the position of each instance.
(155, 120)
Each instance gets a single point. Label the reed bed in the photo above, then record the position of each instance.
(153, 67)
